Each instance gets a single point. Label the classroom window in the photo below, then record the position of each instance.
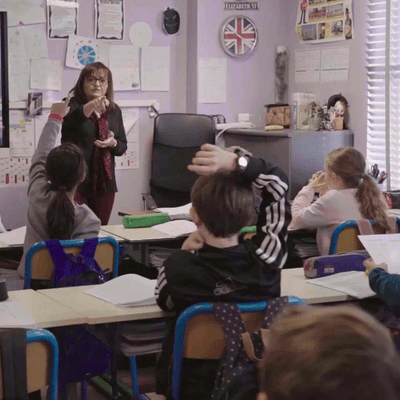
(383, 67)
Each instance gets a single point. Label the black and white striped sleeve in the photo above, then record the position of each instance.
(274, 216)
(161, 293)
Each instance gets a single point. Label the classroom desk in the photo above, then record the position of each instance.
(294, 283)
(97, 311)
(46, 312)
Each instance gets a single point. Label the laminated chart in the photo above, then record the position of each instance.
(14, 171)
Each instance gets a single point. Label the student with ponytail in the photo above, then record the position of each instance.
(54, 176)
(347, 193)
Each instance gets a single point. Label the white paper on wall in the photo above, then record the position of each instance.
(109, 19)
(14, 171)
(335, 64)
(140, 34)
(82, 51)
(25, 11)
(125, 79)
(124, 57)
(35, 41)
(22, 134)
(307, 66)
(62, 17)
(212, 80)
(18, 66)
(155, 69)
(12, 17)
(40, 122)
(51, 80)
(130, 160)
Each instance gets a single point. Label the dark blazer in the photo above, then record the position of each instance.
(82, 131)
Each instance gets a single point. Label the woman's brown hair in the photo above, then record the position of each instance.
(329, 353)
(78, 91)
(349, 164)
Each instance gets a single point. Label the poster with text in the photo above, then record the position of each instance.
(320, 21)
(109, 19)
(62, 18)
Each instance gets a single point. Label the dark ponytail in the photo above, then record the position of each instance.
(65, 169)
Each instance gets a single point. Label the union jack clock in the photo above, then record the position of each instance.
(239, 36)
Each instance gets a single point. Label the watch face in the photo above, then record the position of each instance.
(242, 162)
(238, 36)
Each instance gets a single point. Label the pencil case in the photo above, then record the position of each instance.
(317, 267)
(145, 220)
(249, 229)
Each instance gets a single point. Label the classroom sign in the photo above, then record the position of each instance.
(320, 21)
(241, 5)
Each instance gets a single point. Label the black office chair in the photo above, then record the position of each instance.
(177, 137)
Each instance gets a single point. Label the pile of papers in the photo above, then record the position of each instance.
(158, 255)
(126, 291)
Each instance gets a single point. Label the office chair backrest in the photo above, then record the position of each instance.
(177, 137)
(39, 264)
(345, 236)
(42, 362)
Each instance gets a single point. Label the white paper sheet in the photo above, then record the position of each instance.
(109, 19)
(130, 159)
(124, 57)
(127, 290)
(125, 78)
(63, 18)
(25, 11)
(51, 80)
(14, 171)
(35, 41)
(176, 228)
(12, 17)
(14, 237)
(22, 134)
(82, 51)
(384, 249)
(335, 64)
(18, 66)
(175, 210)
(140, 34)
(13, 315)
(155, 69)
(212, 80)
(307, 66)
(130, 116)
(353, 283)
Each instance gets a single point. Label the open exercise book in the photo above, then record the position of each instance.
(126, 291)
(182, 212)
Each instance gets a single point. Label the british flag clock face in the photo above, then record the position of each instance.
(239, 36)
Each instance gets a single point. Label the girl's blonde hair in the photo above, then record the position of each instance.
(349, 164)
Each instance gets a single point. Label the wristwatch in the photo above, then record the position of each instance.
(242, 161)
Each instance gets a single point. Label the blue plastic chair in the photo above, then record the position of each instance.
(344, 237)
(42, 335)
(180, 331)
(39, 265)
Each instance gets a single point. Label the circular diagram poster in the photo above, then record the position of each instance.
(83, 51)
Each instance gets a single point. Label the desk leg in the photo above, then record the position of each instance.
(144, 253)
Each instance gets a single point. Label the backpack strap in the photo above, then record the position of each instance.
(89, 247)
(13, 349)
(274, 307)
(56, 251)
(365, 227)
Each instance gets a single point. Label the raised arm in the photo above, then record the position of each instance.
(37, 172)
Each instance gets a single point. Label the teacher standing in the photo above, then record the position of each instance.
(95, 124)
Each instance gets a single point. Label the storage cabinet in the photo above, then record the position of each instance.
(299, 153)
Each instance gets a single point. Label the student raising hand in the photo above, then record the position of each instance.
(61, 108)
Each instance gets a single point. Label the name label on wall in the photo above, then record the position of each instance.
(241, 5)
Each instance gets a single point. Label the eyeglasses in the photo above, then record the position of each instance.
(92, 80)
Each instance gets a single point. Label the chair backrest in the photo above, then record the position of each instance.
(177, 137)
(345, 236)
(39, 264)
(199, 335)
(42, 362)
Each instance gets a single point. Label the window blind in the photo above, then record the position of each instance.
(383, 67)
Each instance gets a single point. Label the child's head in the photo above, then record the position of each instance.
(329, 354)
(345, 167)
(223, 202)
(65, 169)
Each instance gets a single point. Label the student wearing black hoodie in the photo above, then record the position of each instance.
(214, 265)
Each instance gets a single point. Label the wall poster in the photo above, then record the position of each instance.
(320, 21)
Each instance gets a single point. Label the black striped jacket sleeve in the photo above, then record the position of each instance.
(161, 292)
(274, 216)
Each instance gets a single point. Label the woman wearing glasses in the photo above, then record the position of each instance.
(94, 123)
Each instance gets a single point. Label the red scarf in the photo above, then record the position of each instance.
(101, 157)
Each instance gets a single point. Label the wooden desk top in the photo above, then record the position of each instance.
(98, 311)
(46, 312)
(294, 283)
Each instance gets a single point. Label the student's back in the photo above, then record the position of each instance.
(52, 179)
(213, 265)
